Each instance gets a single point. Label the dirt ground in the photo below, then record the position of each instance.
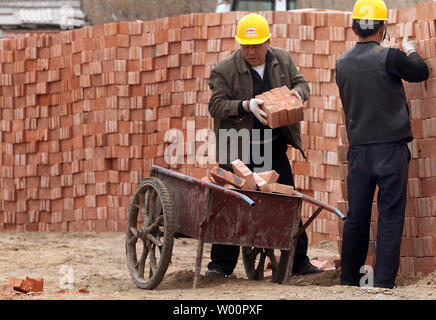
(96, 262)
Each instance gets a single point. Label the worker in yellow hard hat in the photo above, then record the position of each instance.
(369, 78)
(235, 82)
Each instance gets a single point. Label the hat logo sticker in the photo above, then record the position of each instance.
(251, 32)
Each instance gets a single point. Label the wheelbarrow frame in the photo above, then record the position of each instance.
(213, 214)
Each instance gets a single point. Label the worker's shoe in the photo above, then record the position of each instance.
(305, 267)
(386, 286)
(214, 273)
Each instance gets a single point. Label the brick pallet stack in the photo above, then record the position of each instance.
(85, 114)
(418, 248)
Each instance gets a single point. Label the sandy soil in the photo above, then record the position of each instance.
(96, 262)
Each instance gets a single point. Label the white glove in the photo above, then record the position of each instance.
(254, 107)
(409, 46)
(295, 93)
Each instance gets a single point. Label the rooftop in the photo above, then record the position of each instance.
(37, 14)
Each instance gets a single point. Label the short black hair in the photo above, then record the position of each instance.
(367, 28)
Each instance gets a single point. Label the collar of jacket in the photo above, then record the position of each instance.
(271, 60)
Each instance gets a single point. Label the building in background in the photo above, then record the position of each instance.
(106, 11)
(20, 17)
(347, 5)
(256, 5)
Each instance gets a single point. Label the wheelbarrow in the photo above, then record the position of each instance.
(169, 204)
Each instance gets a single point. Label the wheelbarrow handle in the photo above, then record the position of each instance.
(321, 205)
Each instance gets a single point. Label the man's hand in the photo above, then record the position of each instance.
(253, 106)
(295, 93)
(409, 46)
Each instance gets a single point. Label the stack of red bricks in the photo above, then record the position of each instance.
(282, 107)
(418, 247)
(85, 113)
(244, 178)
(21, 286)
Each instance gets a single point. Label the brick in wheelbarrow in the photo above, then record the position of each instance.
(277, 188)
(229, 186)
(241, 170)
(270, 176)
(208, 179)
(223, 177)
(260, 182)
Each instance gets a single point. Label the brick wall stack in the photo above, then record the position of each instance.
(84, 115)
(418, 247)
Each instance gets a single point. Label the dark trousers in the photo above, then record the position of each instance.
(384, 165)
(225, 257)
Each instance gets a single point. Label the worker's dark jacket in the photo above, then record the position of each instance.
(374, 103)
(231, 82)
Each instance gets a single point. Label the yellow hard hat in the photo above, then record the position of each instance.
(252, 29)
(370, 10)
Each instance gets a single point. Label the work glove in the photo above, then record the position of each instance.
(295, 93)
(254, 106)
(409, 46)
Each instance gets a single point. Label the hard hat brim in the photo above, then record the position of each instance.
(252, 41)
(375, 19)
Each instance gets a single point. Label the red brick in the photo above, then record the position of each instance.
(208, 179)
(278, 188)
(429, 88)
(424, 11)
(322, 33)
(33, 285)
(243, 171)
(15, 282)
(425, 147)
(229, 186)
(223, 177)
(260, 182)
(273, 117)
(269, 176)
(425, 265)
(407, 15)
(342, 153)
(281, 106)
(337, 19)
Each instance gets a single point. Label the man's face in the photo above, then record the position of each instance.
(255, 54)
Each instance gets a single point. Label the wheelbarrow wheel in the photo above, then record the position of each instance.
(149, 233)
(254, 263)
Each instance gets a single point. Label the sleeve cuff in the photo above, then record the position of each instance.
(241, 110)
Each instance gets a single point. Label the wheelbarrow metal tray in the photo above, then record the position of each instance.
(270, 224)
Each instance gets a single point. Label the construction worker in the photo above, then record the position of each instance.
(253, 69)
(378, 130)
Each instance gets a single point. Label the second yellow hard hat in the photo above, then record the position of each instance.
(370, 10)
